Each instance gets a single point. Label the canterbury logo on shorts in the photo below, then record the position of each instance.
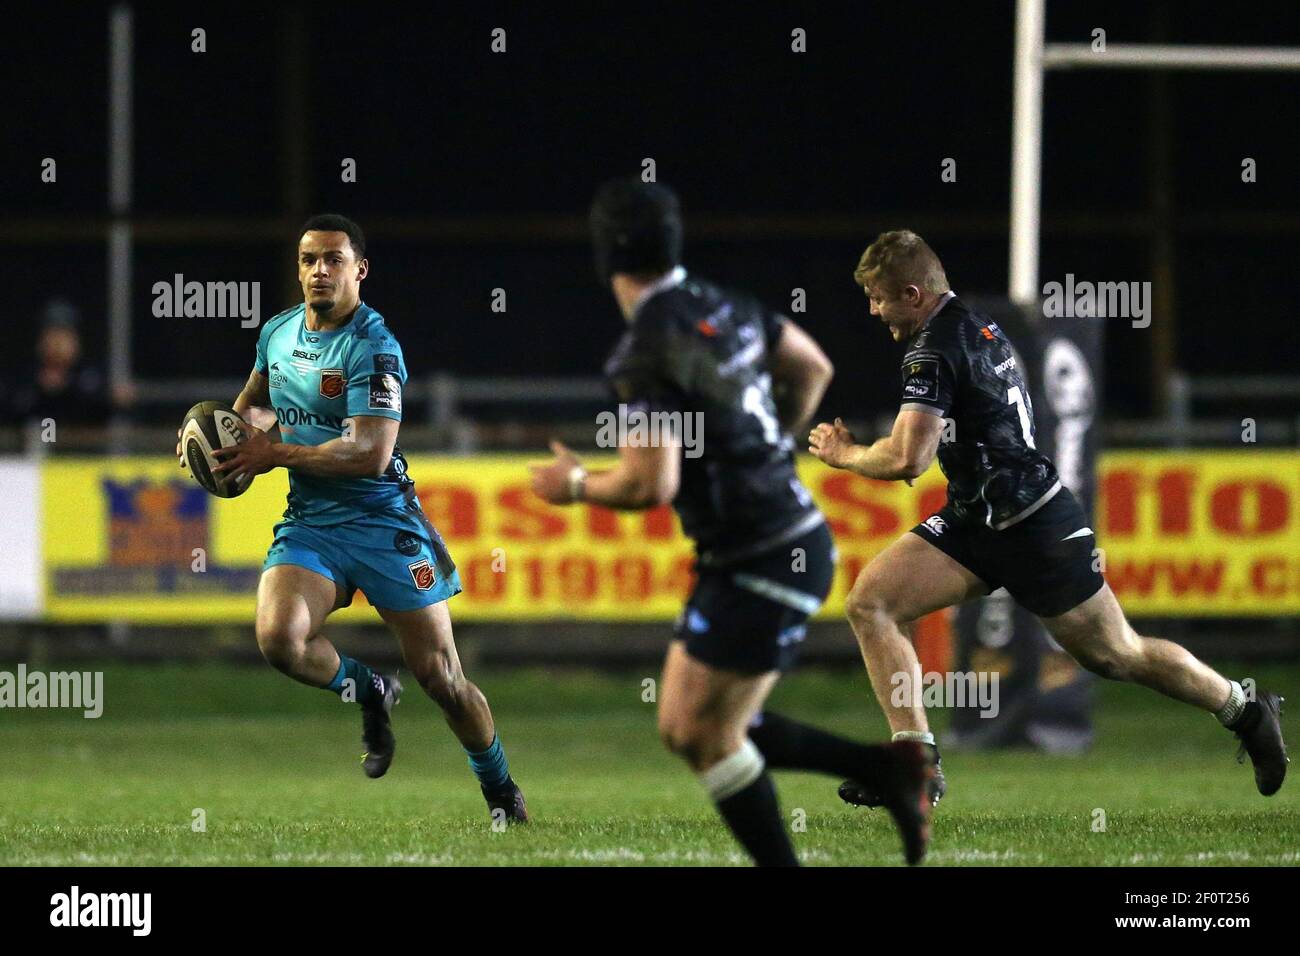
(935, 524)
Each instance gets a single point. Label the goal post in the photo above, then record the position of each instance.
(1033, 57)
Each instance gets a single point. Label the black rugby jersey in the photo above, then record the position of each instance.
(961, 366)
(695, 348)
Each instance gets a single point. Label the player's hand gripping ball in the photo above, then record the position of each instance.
(207, 427)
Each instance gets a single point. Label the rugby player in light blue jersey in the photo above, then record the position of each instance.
(333, 372)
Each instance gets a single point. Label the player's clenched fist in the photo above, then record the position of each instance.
(831, 443)
(558, 481)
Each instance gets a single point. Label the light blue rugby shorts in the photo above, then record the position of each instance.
(395, 557)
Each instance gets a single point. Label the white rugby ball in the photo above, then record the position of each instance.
(210, 425)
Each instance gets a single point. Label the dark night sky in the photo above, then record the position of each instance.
(854, 129)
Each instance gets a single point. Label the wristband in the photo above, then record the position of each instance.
(577, 483)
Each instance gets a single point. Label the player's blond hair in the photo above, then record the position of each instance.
(897, 259)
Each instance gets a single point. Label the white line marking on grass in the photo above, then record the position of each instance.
(334, 859)
(623, 854)
(597, 856)
(1241, 856)
(1236, 856)
(420, 859)
(979, 856)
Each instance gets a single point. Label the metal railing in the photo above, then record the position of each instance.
(463, 415)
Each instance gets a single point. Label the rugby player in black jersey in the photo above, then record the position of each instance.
(764, 556)
(1008, 521)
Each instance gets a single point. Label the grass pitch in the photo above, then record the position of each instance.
(275, 769)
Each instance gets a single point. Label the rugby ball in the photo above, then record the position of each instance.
(206, 426)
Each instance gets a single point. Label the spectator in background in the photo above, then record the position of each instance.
(62, 387)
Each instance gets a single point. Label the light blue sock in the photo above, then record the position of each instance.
(365, 687)
(490, 766)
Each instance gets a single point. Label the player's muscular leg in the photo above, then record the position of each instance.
(430, 652)
(906, 581)
(704, 713)
(292, 604)
(1099, 637)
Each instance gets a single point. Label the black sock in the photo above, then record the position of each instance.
(755, 818)
(789, 745)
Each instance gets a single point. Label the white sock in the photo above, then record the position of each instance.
(733, 774)
(920, 736)
(1234, 707)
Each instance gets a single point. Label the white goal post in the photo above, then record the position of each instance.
(1033, 57)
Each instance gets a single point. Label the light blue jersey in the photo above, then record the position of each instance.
(318, 379)
(362, 533)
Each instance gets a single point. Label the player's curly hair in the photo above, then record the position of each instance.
(333, 222)
(897, 259)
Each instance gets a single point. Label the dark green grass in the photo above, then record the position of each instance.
(275, 766)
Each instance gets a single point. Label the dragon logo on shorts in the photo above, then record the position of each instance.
(936, 524)
(422, 574)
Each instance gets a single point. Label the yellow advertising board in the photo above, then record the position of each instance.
(1202, 533)
(1194, 533)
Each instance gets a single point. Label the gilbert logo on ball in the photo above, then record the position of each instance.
(206, 427)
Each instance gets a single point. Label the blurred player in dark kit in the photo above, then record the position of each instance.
(764, 555)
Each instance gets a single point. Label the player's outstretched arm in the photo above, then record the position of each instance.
(902, 455)
(643, 478)
(801, 373)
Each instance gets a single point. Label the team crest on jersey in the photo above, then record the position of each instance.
(422, 574)
(936, 524)
(331, 382)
